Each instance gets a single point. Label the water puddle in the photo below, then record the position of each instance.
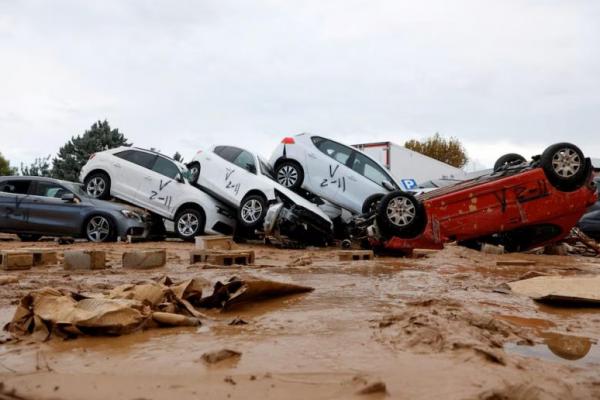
(560, 347)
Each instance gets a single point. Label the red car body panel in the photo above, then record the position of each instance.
(496, 204)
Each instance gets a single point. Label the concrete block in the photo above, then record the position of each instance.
(222, 257)
(215, 242)
(84, 260)
(144, 259)
(355, 255)
(15, 260)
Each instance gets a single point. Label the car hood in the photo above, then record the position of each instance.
(301, 201)
(110, 205)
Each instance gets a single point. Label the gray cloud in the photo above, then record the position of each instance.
(500, 76)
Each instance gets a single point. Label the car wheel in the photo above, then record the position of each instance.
(371, 203)
(401, 214)
(189, 223)
(26, 237)
(252, 211)
(98, 229)
(289, 174)
(97, 185)
(508, 159)
(194, 172)
(564, 166)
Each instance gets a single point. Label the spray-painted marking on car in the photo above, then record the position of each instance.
(167, 200)
(13, 212)
(230, 184)
(341, 182)
(228, 172)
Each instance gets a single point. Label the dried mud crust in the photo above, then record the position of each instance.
(435, 326)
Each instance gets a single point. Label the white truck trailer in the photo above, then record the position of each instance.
(409, 167)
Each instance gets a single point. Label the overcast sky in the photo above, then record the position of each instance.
(501, 76)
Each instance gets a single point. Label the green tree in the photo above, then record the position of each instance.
(76, 152)
(40, 167)
(178, 157)
(451, 151)
(5, 168)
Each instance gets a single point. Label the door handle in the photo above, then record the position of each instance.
(311, 155)
(117, 165)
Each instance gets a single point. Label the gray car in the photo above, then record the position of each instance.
(32, 207)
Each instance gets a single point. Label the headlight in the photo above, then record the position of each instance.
(133, 215)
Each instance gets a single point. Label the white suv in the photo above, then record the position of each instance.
(157, 183)
(244, 181)
(335, 172)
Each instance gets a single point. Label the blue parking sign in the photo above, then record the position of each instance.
(408, 184)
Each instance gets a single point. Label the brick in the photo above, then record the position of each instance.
(144, 259)
(216, 242)
(222, 257)
(84, 260)
(15, 260)
(43, 257)
(355, 255)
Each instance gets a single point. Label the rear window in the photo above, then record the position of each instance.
(229, 153)
(137, 157)
(15, 187)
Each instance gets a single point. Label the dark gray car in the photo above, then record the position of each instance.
(33, 207)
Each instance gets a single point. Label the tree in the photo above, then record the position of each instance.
(178, 157)
(40, 167)
(76, 152)
(450, 151)
(5, 168)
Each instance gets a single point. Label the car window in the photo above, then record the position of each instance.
(245, 160)
(137, 157)
(165, 167)
(48, 189)
(337, 151)
(228, 152)
(15, 187)
(369, 169)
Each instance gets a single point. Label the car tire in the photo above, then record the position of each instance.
(565, 166)
(194, 168)
(189, 223)
(99, 228)
(371, 203)
(401, 214)
(289, 174)
(27, 237)
(252, 211)
(97, 185)
(508, 159)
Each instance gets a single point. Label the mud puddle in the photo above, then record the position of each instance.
(569, 349)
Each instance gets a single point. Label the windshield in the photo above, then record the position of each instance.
(265, 169)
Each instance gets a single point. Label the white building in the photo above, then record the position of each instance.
(409, 167)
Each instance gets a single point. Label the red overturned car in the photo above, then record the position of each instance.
(521, 205)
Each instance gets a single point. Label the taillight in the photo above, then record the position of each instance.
(288, 140)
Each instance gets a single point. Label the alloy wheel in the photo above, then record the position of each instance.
(188, 224)
(251, 211)
(98, 229)
(287, 176)
(566, 162)
(401, 211)
(95, 187)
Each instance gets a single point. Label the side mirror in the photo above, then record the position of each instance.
(68, 197)
(251, 168)
(388, 186)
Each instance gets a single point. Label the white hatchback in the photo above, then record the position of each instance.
(335, 172)
(244, 181)
(159, 184)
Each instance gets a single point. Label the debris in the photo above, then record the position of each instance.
(355, 255)
(215, 242)
(237, 291)
(520, 263)
(238, 321)
(560, 289)
(229, 379)
(376, 387)
(144, 259)
(15, 260)
(301, 261)
(6, 279)
(84, 260)
(172, 319)
(557, 249)
(492, 248)
(64, 240)
(213, 357)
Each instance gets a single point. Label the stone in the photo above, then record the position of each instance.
(144, 259)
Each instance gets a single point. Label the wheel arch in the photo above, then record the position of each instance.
(195, 206)
(98, 170)
(260, 193)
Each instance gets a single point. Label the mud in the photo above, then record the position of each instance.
(423, 328)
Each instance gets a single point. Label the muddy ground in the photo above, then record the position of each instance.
(423, 328)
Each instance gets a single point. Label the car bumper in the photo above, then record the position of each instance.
(132, 227)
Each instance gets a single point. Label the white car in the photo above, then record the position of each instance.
(159, 184)
(335, 172)
(244, 181)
